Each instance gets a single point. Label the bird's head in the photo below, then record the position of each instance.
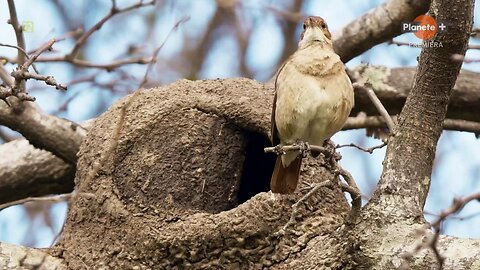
(315, 29)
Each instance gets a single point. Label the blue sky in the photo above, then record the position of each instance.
(457, 167)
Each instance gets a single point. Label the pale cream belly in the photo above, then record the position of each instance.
(312, 112)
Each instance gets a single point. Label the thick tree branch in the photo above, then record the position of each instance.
(392, 87)
(377, 26)
(59, 136)
(363, 121)
(29, 172)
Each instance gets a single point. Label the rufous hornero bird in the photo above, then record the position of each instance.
(313, 98)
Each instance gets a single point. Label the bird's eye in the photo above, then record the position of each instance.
(304, 26)
(324, 25)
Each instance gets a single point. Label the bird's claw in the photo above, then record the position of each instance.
(279, 150)
(304, 148)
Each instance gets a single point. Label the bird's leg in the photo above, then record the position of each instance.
(279, 150)
(333, 156)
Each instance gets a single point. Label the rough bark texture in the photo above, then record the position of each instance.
(44, 131)
(397, 204)
(392, 87)
(29, 172)
(23, 258)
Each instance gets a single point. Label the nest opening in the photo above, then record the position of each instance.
(257, 167)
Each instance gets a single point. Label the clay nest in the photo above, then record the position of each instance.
(186, 186)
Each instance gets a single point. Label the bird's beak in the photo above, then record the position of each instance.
(313, 34)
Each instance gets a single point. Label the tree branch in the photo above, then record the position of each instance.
(377, 26)
(59, 136)
(392, 86)
(363, 121)
(113, 11)
(29, 172)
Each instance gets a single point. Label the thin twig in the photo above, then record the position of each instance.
(352, 188)
(333, 157)
(15, 47)
(432, 241)
(367, 150)
(157, 50)
(108, 66)
(378, 104)
(18, 31)
(20, 43)
(43, 48)
(113, 11)
(49, 80)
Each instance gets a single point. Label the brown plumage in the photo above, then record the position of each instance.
(313, 98)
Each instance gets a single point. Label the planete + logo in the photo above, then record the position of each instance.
(424, 27)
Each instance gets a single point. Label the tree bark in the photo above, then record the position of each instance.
(29, 172)
(396, 209)
(23, 258)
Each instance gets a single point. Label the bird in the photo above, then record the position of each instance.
(313, 98)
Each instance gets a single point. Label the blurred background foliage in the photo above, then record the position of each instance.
(220, 39)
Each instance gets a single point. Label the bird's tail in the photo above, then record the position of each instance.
(285, 179)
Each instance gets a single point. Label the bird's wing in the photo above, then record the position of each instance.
(273, 129)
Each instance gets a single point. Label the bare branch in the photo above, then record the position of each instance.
(43, 48)
(18, 31)
(30, 172)
(280, 150)
(431, 241)
(363, 121)
(367, 150)
(49, 80)
(6, 77)
(157, 50)
(107, 66)
(15, 47)
(352, 188)
(333, 157)
(378, 104)
(59, 136)
(113, 11)
(20, 43)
